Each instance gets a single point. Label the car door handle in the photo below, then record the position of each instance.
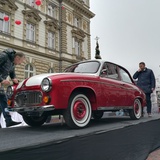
(122, 85)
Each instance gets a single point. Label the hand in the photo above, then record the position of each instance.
(15, 81)
(139, 70)
(153, 89)
(5, 82)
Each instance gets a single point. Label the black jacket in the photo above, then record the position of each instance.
(7, 67)
(146, 80)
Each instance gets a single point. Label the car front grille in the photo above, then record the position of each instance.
(28, 98)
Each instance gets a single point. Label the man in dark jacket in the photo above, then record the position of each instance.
(8, 59)
(146, 81)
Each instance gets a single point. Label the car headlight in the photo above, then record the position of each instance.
(9, 91)
(46, 84)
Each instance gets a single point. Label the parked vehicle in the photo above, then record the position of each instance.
(85, 89)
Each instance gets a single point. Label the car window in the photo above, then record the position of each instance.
(110, 71)
(85, 67)
(124, 76)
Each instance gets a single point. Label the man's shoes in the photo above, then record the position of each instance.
(12, 123)
(149, 115)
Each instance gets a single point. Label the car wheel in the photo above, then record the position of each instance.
(97, 115)
(78, 113)
(136, 112)
(35, 121)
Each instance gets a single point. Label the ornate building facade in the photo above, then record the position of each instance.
(52, 35)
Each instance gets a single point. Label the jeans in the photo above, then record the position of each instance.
(148, 101)
(4, 105)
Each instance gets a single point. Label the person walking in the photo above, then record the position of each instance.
(146, 81)
(8, 59)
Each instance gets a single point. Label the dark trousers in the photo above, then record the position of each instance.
(148, 101)
(3, 105)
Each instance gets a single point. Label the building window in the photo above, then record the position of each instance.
(77, 48)
(31, 3)
(51, 10)
(50, 70)
(29, 71)
(30, 34)
(4, 25)
(51, 41)
(77, 22)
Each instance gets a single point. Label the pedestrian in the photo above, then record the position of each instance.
(0, 117)
(146, 81)
(8, 59)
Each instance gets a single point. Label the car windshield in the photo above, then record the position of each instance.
(85, 67)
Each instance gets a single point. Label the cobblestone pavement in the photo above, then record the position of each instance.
(155, 155)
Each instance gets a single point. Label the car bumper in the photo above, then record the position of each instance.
(33, 108)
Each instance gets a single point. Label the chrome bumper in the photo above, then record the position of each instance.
(33, 108)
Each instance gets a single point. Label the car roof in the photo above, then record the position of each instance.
(98, 60)
(101, 61)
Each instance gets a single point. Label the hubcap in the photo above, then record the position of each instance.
(137, 108)
(79, 110)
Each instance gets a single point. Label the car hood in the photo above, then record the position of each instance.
(37, 79)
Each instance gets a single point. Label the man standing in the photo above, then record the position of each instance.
(146, 81)
(8, 59)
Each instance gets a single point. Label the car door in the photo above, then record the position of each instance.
(128, 85)
(113, 91)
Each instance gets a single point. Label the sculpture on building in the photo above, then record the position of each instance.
(97, 53)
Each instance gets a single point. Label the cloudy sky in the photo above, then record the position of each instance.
(129, 32)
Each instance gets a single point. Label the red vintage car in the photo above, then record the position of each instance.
(85, 89)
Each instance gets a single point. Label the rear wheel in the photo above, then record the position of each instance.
(136, 112)
(35, 121)
(78, 113)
